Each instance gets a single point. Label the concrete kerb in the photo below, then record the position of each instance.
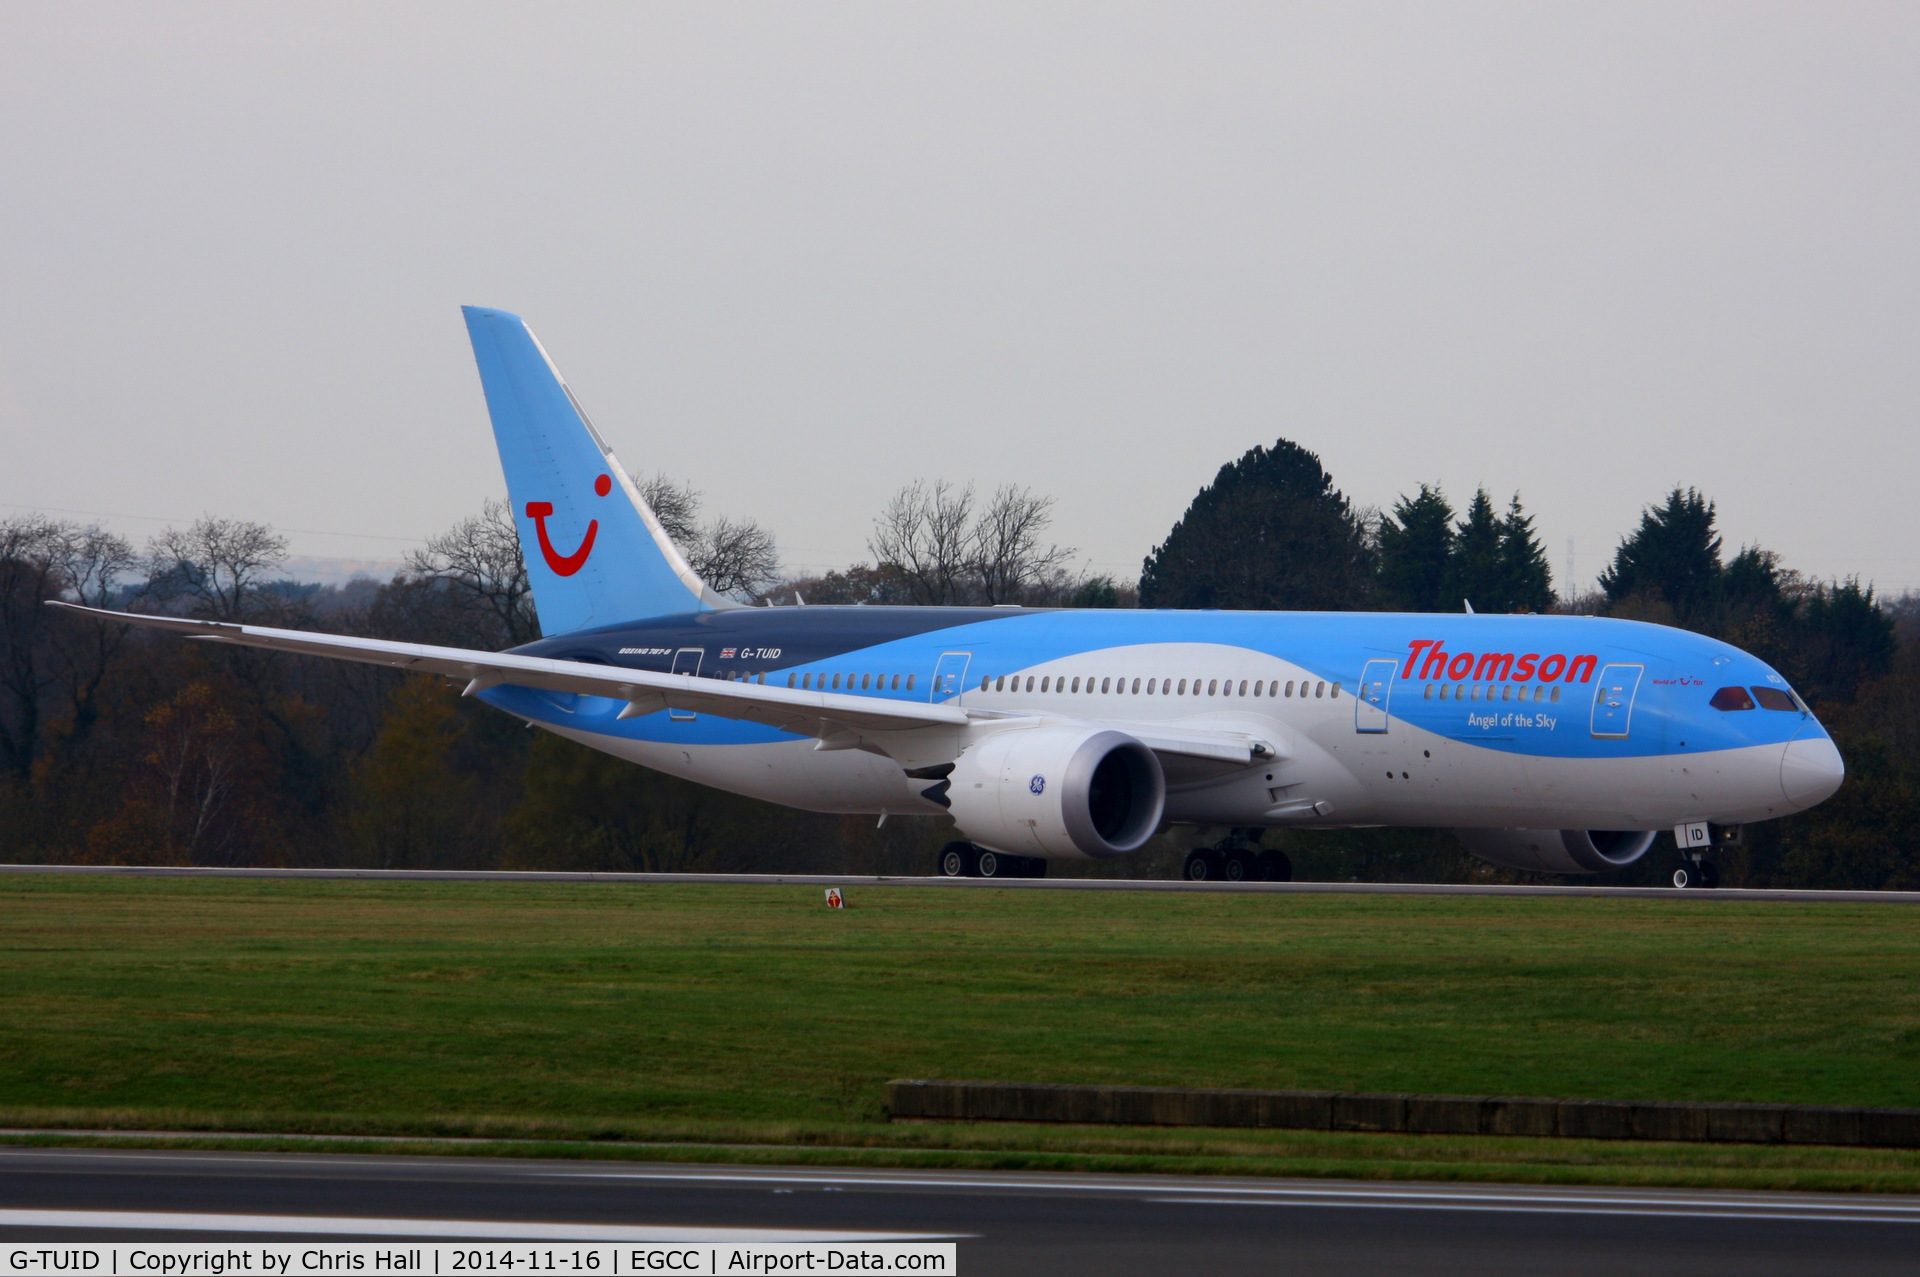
(1409, 1114)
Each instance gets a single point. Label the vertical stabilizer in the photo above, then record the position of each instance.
(595, 554)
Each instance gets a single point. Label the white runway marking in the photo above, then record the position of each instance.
(1731, 1205)
(368, 1226)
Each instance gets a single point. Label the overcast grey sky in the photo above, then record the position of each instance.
(800, 255)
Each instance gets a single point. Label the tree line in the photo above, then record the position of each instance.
(128, 746)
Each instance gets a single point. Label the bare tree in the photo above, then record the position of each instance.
(92, 563)
(480, 563)
(29, 577)
(930, 536)
(736, 558)
(733, 556)
(217, 563)
(676, 505)
(926, 534)
(1008, 558)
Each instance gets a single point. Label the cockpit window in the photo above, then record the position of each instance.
(1774, 698)
(1731, 698)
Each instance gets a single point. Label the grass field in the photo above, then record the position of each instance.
(753, 1016)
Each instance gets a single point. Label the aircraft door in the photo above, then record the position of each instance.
(1376, 690)
(949, 676)
(686, 661)
(1613, 700)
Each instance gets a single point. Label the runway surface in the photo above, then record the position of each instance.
(1726, 894)
(1004, 1223)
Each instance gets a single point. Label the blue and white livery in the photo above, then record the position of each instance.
(1554, 743)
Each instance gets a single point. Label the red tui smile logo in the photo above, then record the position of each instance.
(566, 564)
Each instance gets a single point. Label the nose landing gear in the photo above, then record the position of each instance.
(1697, 872)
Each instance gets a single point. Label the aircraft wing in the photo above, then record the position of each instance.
(807, 713)
(827, 715)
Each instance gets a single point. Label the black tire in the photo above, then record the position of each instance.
(1682, 878)
(1274, 866)
(956, 860)
(1709, 874)
(1202, 865)
(1239, 866)
(988, 864)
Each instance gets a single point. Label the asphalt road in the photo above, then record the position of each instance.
(1004, 1223)
(1727, 894)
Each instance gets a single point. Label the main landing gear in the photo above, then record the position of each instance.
(964, 860)
(1237, 859)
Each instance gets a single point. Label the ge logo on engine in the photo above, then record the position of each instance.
(1038, 784)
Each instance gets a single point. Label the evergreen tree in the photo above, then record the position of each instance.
(1414, 545)
(1270, 531)
(1673, 556)
(1525, 576)
(1476, 571)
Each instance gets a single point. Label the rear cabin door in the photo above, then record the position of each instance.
(1613, 700)
(686, 661)
(1376, 690)
(949, 676)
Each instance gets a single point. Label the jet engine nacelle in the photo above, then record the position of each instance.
(1059, 792)
(1558, 851)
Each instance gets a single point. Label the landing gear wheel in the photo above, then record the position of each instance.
(1681, 878)
(1274, 866)
(1709, 874)
(987, 865)
(1240, 866)
(956, 860)
(1202, 865)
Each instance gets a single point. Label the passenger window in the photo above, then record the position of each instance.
(866, 682)
(1555, 696)
(1473, 693)
(1183, 687)
(1090, 682)
(1429, 695)
(1136, 687)
(896, 682)
(1076, 684)
(1045, 683)
(1459, 691)
(1773, 698)
(1106, 684)
(1000, 684)
(1731, 698)
(1319, 690)
(1259, 687)
(1539, 694)
(909, 682)
(1213, 687)
(1289, 689)
(1243, 687)
(1336, 692)
(836, 682)
(1506, 693)
(984, 680)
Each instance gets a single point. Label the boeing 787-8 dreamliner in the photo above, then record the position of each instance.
(1551, 743)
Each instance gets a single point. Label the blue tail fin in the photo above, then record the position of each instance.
(595, 554)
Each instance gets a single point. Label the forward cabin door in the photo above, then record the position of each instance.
(1613, 700)
(1376, 690)
(686, 661)
(949, 676)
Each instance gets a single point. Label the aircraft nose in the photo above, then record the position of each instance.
(1810, 770)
